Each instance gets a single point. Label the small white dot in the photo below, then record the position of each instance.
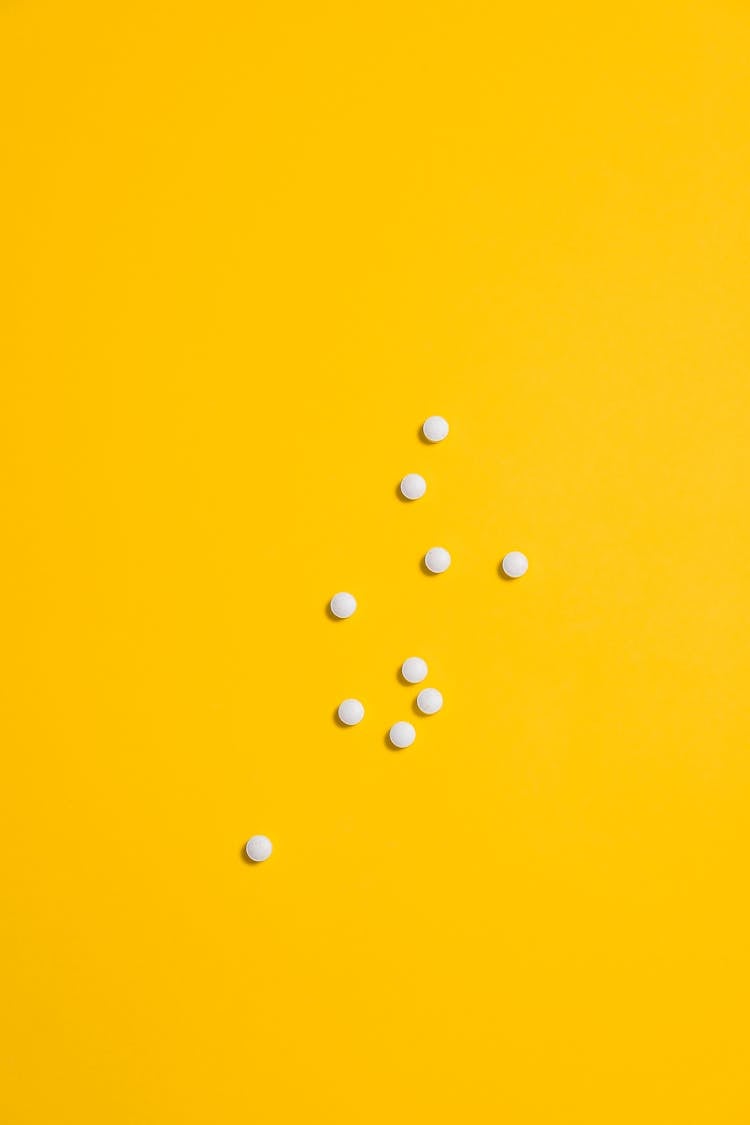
(429, 701)
(351, 712)
(437, 560)
(414, 670)
(343, 605)
(435, 428)
(515, 564)
(258, 848)
(402, 735)
(413, 486)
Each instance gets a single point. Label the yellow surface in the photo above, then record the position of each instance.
(247, 248)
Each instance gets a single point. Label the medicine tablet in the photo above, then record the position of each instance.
(343, 605)
(258, 848)
(351, 712)
(414, 670)
(413, 486)
(515, 564)
(402, 735)
(435, 428)
(429, 701)
(437, 560)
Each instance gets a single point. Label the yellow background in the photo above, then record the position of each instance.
(247, 249)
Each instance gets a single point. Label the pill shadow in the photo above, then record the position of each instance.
(331, 615)
(505, 577)
(400, 496)
(421, 437)
(337, 720)
(426, 570)
(246, 858)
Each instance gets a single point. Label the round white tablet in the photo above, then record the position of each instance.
(437, 560)
(413, 486)
(343, 605)
(515, 564)
(351, 712)
(258, 848)
(402, 735)
(414, 670)
(435, 428)
(429, 700)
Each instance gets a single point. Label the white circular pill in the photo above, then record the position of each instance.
(343, 605)
(413, 486)
(402, 735)
(435, 428)
(351, 712)
(515, 564)
(437, 560)
(414, 670)
(258, 848)
(429, 700)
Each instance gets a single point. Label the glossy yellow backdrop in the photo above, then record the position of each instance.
(247, 249)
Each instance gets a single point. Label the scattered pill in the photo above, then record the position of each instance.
(414, 670)
(413, 486)
(435, 428)
(351, 712)
(429, 701)
(515, 564)
(343, 605)
(437, 560)
(258, 848)
(402, 735)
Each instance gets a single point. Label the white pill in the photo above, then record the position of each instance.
(343, 605)
(437, 560)
(515, 564)
(402, 735)
(413, 486)
(351, 712)
(435, 428)
(258, 848)
(429, 700)
(414, 670)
